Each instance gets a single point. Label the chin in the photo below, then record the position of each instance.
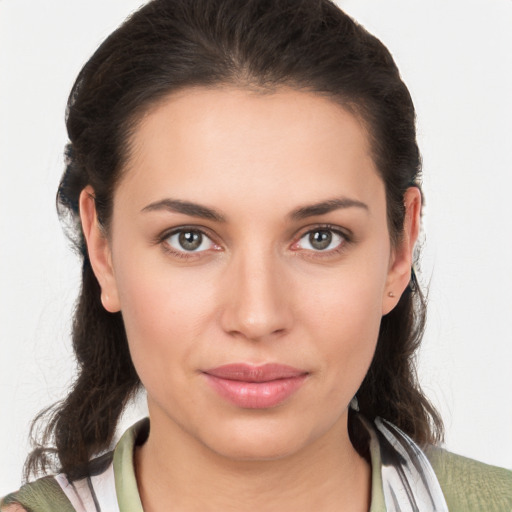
(263, 441)
(244, 450)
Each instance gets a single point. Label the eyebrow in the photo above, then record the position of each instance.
(185, 207)
(326, 207)
(300, 213)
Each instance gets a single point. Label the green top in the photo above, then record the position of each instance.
(468, 485)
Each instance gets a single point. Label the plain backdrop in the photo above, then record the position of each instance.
(455, 56)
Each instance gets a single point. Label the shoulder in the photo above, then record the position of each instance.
(43, 495)
(470, 485)
(13, 508)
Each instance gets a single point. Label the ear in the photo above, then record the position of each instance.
(98, 247)
(399, 273)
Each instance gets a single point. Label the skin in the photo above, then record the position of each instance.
(257, 291)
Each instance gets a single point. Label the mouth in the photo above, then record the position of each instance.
(255, 387)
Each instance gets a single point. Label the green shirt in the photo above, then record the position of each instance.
(468, 485)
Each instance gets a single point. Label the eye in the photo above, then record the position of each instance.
(321, 240)
(189, 240)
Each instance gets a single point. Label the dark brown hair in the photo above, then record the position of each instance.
(168, 45)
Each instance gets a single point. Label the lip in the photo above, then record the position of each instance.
(255, 387)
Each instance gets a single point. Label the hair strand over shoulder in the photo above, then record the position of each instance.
(169, 45)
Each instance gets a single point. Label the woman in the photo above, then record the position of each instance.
(243, 181)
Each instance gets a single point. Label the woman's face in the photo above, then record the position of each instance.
(250, 257)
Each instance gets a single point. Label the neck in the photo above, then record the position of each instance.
(328, 474)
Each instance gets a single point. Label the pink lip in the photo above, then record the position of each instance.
(255, 387)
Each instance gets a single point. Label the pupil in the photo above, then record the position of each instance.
(320, 239)
(190, 240)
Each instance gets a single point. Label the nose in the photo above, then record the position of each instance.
(256, 304)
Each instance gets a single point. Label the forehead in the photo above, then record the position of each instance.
(288, 146)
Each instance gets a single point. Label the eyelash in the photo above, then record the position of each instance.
(346, 240)
(187, 255)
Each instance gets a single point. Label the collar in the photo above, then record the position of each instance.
(402, 478)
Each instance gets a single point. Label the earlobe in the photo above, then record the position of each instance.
(99, 251)
(399, 274)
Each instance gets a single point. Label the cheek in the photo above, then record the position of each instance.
(165, 312)
(351, 326)
(347, 299)
(343, 314)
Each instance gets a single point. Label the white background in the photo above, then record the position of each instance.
(455, 56)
